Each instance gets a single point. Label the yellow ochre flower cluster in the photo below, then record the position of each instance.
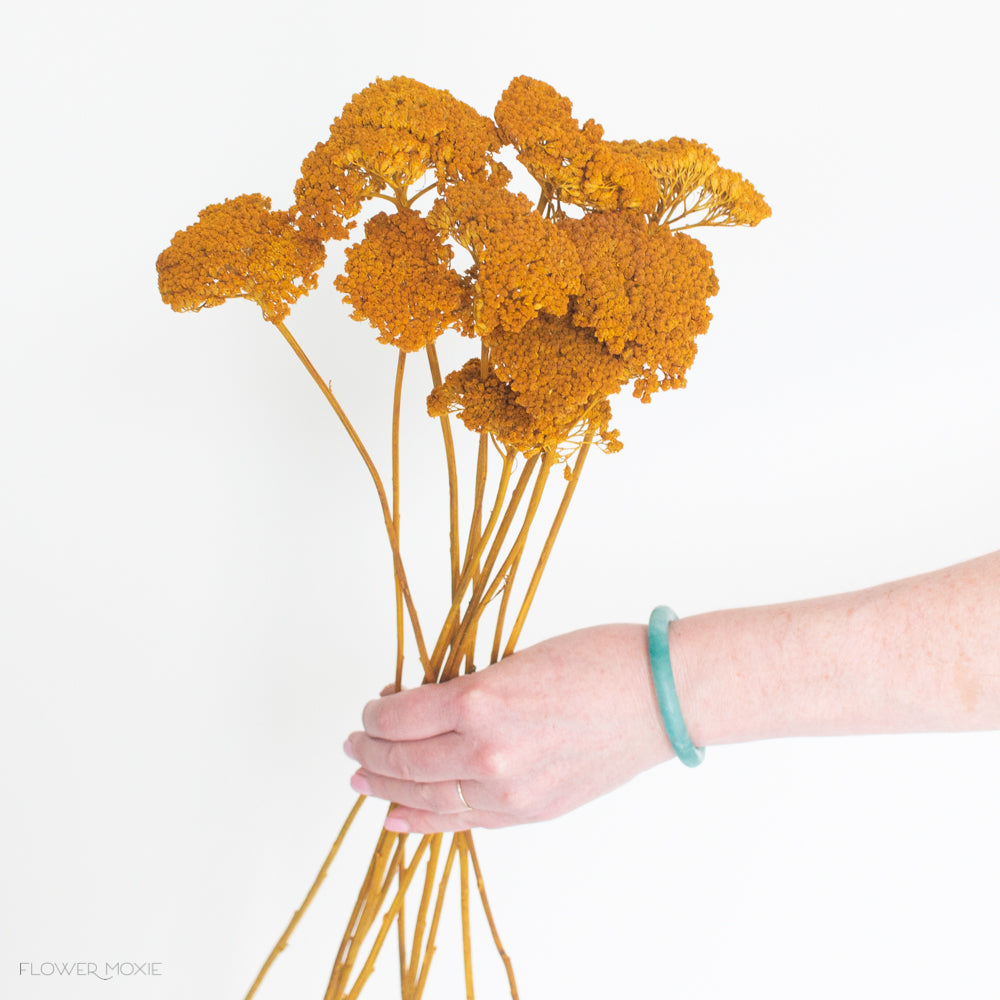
(239, 249)
(593, 288)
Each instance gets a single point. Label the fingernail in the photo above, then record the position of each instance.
(348, 750)
(395, 824)
(360, 784)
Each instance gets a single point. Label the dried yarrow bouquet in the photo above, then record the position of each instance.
(595, 286)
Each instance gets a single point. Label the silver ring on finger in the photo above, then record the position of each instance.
(461, 797)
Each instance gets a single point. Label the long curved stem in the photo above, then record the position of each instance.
(476, 552)
(508, 589)
(482, 472)
(470, 571)
(504, 957)
(431, 946)
(364, 914)
(515, 632)
(449, 451)
(416, 949)
(463, 864)
(381, 900)
(401, 928)
(479, 600)
(376, 479)
(476, 521)
(397, 399)
(449, 632)
(310, 895)
(387, 920)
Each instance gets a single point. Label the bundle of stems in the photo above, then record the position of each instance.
(483, 572)
(594, 287)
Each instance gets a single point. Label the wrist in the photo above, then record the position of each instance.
(727, 673)
(915, 655)
(811, 668)
(628, 645)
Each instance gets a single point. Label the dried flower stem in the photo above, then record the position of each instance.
(508, 589)
(482, 465)
(449, 450)
(435, 920)
(447, 630)
(401, 927)
(376, 478)
(479, 599)
(475, 526)
(504, 957)
(376, 900)
(515, 632)
(484, 549)
(476, 532)
(463, 863)
(477, 546)
(387, 920)
(310, 895)
(476, 521)
(348, 933)
(361, 918)
(409, 990)
(397, 399)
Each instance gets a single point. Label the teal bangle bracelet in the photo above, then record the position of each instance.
(666, 689)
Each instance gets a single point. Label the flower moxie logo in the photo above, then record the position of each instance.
(98, 970)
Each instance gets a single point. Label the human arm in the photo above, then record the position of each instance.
(562, 722)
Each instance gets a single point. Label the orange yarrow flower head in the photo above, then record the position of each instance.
(558, 372)
(485, 403)
(522, 263)
(389, 136)
(399, 279)
(570, 310)
(239, 249)
(572, 164)
(641, 303)
(643, 295)
(693, 188)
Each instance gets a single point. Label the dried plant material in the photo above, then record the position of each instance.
(239, 249)
(567, 309)
(399, 279)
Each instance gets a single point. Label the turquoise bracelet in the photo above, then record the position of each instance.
(666, 690)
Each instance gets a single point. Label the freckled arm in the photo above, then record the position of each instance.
(917, 655)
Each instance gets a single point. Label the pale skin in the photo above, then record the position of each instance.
(560, 723)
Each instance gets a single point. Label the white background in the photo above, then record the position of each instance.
(196, 596)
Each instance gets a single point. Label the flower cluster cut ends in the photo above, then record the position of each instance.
(239, 249)
(693, 189)
(522, 264)
(573, 165)
(399, 279)
(386, 139)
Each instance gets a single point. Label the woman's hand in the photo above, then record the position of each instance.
(529, 738)
(556, 725)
